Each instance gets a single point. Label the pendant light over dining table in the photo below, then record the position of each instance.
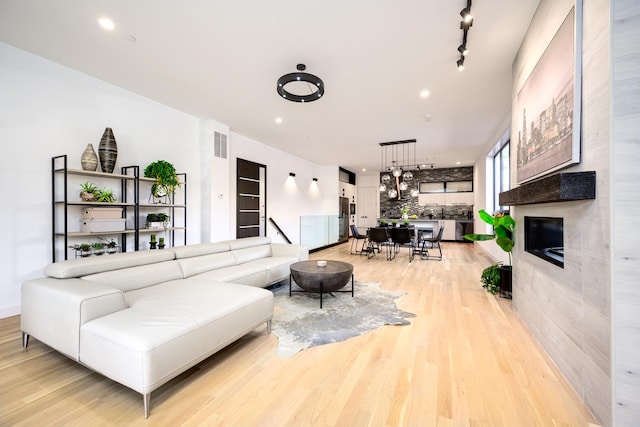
(300, 86)
(399, 165)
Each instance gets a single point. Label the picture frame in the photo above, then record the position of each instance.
(548, 105)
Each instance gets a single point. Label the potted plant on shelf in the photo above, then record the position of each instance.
(85, 250)
(383, 223)
(110, 245)
(157, 220)
(166, 179)
(89, 192)
(98, 248)
(503, 226)
(105, 196)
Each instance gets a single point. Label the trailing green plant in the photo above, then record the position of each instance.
(165, 176)
(503, 225)
(490, 278)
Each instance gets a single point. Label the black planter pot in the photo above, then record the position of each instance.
(505, 281)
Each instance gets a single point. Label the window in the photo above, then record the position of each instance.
(501, 175)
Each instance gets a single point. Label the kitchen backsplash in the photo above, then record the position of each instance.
(430, 211)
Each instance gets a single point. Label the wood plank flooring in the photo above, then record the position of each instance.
(465, 360)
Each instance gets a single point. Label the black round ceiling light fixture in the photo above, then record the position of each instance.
(303, 87)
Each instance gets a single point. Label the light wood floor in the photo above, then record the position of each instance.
(466, 360)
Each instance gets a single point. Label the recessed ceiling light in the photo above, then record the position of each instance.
(106, 23)
(424, 93)
(278, 120)
(457, 163)
(364, 170)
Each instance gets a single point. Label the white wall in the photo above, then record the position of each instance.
(47, 110)
(288, 198)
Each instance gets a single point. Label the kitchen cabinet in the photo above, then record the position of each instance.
(449, 229)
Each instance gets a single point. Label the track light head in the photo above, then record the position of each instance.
(467, 18)
(466, 25)
(463, 49)
(460, 64)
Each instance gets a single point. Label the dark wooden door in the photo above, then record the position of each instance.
(251, 199)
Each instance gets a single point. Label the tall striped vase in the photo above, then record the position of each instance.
(108, 151)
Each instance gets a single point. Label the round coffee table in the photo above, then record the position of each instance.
(313, 278)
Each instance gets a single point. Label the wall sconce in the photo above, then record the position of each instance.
(314, 179)
(292, 174)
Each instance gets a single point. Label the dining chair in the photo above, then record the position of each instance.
(378, 238)
(403, 237)
(354, 243)
(433, 242)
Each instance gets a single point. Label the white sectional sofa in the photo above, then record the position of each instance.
(142, 318)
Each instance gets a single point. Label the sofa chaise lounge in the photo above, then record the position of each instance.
(142, 318)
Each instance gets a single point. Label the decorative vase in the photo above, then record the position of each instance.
(108, 151)
(89, 159)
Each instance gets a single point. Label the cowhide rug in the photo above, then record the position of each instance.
(299, 322)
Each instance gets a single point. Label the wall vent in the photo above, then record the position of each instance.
(220, 145)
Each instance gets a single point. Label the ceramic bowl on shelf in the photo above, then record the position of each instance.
(322, 263)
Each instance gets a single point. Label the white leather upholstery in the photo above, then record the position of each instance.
(54, 310)
(191, 251)
(82, 266)
(141, 318)
(169, 328)
(201, 264)
(128, 279)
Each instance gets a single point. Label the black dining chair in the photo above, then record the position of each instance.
(356, 238)
(403, 237)
(378, 238)
(432, 242)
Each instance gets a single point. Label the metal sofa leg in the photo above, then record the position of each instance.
(25, 340)
(146, 401)
(269, 326)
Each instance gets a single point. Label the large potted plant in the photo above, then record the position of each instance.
(503, 225)
(166, 178)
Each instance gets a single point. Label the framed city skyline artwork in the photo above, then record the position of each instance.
(548, 105)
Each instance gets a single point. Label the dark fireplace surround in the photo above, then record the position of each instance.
(543, 236)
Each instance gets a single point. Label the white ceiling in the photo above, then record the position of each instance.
(220, 60)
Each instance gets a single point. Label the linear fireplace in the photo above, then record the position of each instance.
(544, 238)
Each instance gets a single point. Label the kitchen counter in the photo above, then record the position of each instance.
(454, 228)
